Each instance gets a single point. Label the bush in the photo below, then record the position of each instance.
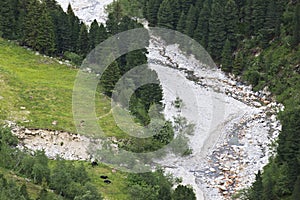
(73, 57)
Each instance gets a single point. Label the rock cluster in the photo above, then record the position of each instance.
(55, 143)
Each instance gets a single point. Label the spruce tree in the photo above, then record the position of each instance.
(181, 23)
(152, 11)
(257, 188)
(109, 78)
(201, 33)
(296, 27)
(74, 24)
(238, 64)
(45, 38)
(94, 35)
(83, 40)
(102, 33)
(259, 9)
(165, 15)
(7, 19)
(227, 57)
(191, 21)
(217, 30)
(231, 19)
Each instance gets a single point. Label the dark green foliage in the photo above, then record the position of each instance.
(7, 19)
(181, 23)
(150, 186)
(83, 40)
(109, 78)
(257, 188)
(184, 192)
(191, 21)
(296, 27)
(231, 20)
(153, 7)
(227, 57)
(201, 33)
(217, 30)
(165, 15)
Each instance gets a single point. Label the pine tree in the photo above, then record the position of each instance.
(109, 78)
(94, 35)
(201, 33)
(7, 19)
(227, 57)
(83, 40)
(46, 37)
(165, 15)
(186, 5)
(152, 11)
(191, 21)
(102, 33)
(296, 27)
(181, 23)
(231, 19)
(238, 64)
(271, 24)
(296, 191)
(74, 24)
(257, 188)
(247, 21)
(217, 30)
(259, 9)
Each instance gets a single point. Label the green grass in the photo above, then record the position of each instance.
(44, 88)
(117, 190)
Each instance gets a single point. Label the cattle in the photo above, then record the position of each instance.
(94, 163)
(107, 181)
(104, 177)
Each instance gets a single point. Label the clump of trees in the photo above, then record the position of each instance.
(67, 180)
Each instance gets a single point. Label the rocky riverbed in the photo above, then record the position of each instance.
(234, 132)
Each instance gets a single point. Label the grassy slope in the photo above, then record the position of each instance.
(44, 88)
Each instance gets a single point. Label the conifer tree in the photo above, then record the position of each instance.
(94, 35)
(201, 33)
(296, 27)
(217, 30)
(45, 39)
(227, 57)
(74, 25)
(7, 19)
(152, 11)
(238, 64)
(165, 15)
(259, 8)
(109, 78)
(191, 21)
(231, 19)
(181, 23)
(83, 40)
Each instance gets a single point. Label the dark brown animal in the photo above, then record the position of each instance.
(107, 181)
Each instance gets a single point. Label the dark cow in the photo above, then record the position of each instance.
(104, 177)
(94, 163)
(107, 181)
